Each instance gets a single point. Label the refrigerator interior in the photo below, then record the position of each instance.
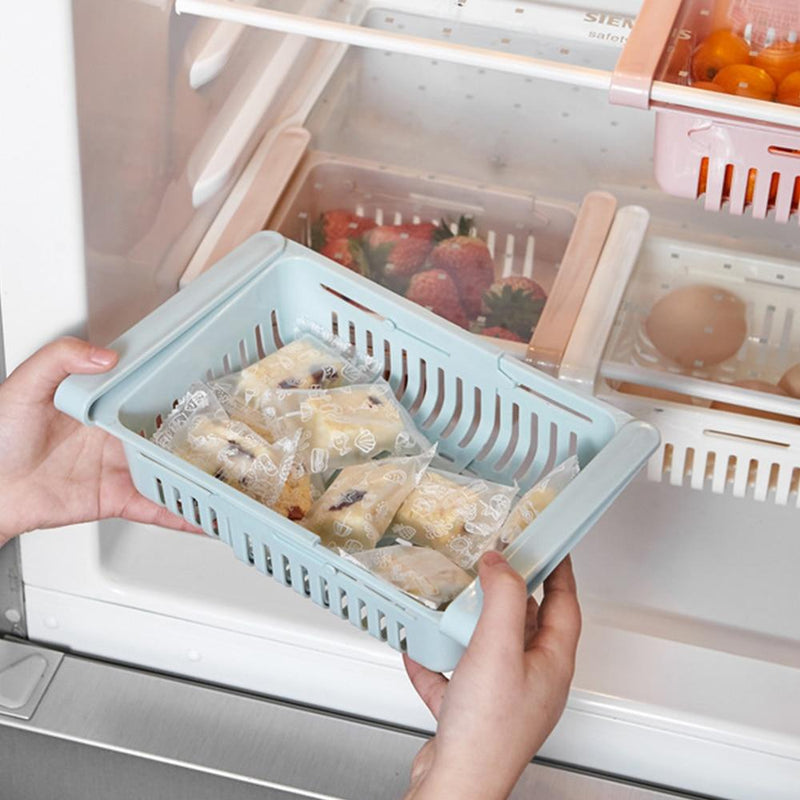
(688, 668)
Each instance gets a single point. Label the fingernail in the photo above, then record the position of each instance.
(101, 356)
(492, 559)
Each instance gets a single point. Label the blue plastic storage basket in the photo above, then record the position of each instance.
(490, 414)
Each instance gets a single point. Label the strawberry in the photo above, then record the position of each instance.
(498, 332)
(338, 224)
(398, 251)
(436, 290)
(518, 282)
(515, 303)
(468, 262)
(415, 230)
(348, 253)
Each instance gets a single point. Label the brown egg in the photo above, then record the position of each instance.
(653, 392)
(698, 326)
(790, 382)
(756, 386)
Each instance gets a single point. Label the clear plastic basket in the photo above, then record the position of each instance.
(490, 414)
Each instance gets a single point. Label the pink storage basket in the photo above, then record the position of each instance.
(709, 143)
(729, 161)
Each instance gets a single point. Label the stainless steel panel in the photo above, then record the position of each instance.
(25, 673)
(12, 596)
(36, 767)
(188, 740)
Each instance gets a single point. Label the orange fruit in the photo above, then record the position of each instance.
(702, 180)
(708, 86)
(702, 183)
(751, 188)
(750, 191)
(746, 81)
(721, 49)
(789, 90)
(779, 60)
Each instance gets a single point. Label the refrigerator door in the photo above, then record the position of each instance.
(688, 670)
(260, 749)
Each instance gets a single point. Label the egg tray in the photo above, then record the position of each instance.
(489, 413)
(704, 447)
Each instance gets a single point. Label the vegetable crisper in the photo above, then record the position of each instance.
(490, 414)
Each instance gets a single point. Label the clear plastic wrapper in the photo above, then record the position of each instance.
(308, 362)
(199, 431)
(359, 505)
(257, 394)
(536, 499)
(458, 515)
(349, 425)
(425, 574)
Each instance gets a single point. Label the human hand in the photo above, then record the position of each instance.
(507, 692)
(53, 470)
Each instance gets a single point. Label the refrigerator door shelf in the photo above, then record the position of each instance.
(261, 749)
(667, 639)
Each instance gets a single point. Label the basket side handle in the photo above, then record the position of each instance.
(77, 394)
(633, 76)
(582, 357)
(550, 338)
(546, 541)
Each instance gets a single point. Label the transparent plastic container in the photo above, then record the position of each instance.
(544, 240)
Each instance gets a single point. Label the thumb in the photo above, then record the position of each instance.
(38, 376)
(501, 627)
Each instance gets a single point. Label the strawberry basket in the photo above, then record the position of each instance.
(490, 414)
(528, 238)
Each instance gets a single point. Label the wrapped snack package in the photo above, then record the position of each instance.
(536, 499)
(305, 363)
(460, 516)
(427, 575)
(350, 425)
(199, 431)
(359, 505)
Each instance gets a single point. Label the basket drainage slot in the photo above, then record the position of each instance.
(268, 559)
(383, 628)
(351, 302)
(784, 151)
(287, 570)
(178, 502)
(196, 511)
